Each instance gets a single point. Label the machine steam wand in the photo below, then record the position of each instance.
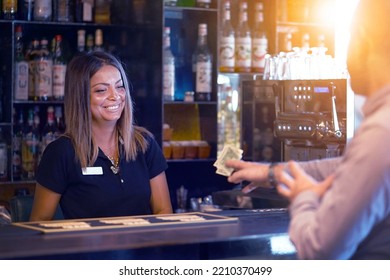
(336, 125)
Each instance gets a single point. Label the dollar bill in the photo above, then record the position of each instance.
(228, 152)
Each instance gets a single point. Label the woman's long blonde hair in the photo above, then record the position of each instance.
(77, 108)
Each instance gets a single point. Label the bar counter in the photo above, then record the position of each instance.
(256, 234)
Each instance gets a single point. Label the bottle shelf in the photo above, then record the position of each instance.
(31, 102)
(190, 103)
(282, 24)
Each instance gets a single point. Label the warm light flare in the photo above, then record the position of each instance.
(342, 17)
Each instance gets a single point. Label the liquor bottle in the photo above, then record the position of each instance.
(59, 119)
(228, 117)
(43, 73)
(202, 59)
(43, 10)
(203, 3)
(63, 10)
(288, 42)
(59, 69)
(227, 44)
(21, 67)
(183, 67)
(98, 40)
(306, 42)
(30, 146)
(31, 57)
(243, 41)
(81, 40)
(17, 146)
(50, 130)
(26, 9)
(102, 11)
(90, 42)
(321, 40)
(168, 67)
(259, 41)
(3, 157)
(84, 10)
(10, 9)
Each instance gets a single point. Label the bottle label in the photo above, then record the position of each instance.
(87, 11)
(59, 81)
(203, 77)
(259, 51)
(21, 80)
(43, 78)
(243, 52)
(169, 82)
(226, 52)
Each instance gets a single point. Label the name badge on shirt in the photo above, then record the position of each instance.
(92, 170)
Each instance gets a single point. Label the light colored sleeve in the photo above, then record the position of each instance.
(358, 200)
(320, 169)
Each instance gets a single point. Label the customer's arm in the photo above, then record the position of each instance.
(258, 173)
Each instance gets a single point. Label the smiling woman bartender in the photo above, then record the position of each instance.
(104, 165)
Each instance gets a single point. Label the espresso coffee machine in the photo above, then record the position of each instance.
(285, 120)
(294, 119)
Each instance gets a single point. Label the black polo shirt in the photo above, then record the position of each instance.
(97, 191)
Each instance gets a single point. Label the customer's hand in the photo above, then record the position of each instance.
(255, 173)
(299, 181)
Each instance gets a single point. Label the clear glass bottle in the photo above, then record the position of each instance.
(50, 130)
(21, 67)
(202, 66)
(259, 41)
(288, 42)
(243, 41)
(43, 73)
(26, 9)
(43, 10)
(59, 69)
(226, 43)
(306, 42)
(168, 67)
(228, 117)
(60, 122)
